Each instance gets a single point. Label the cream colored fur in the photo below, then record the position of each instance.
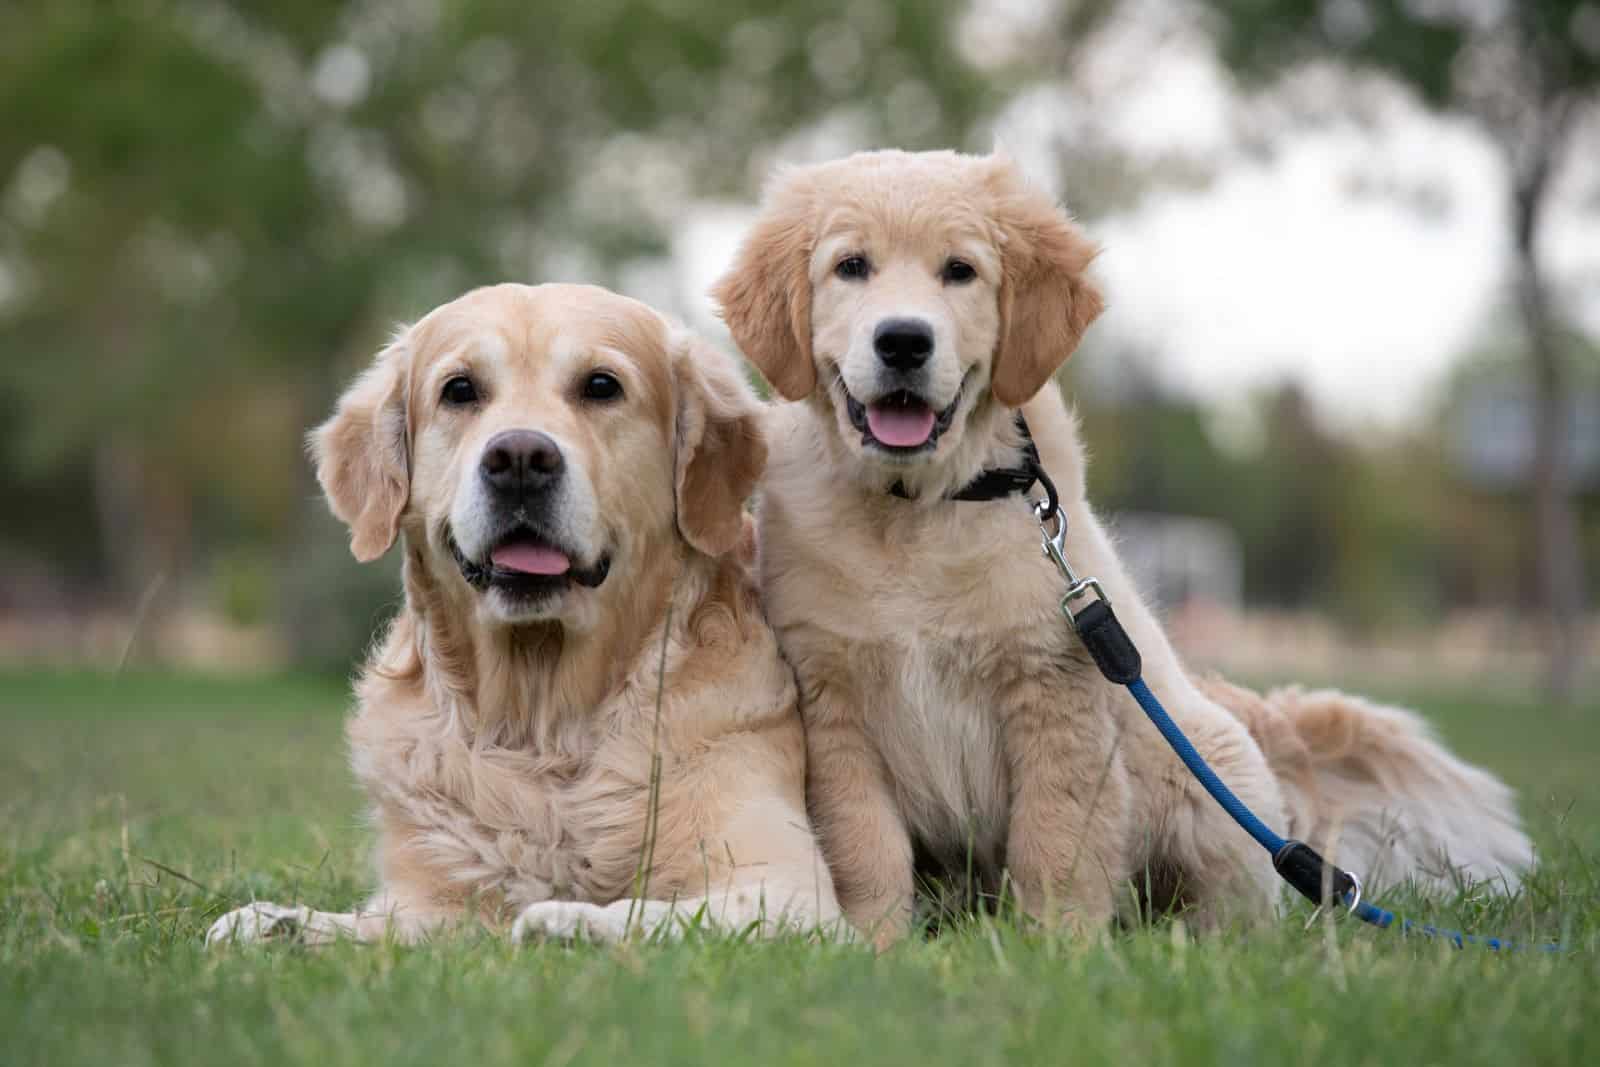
(950, 711)
(509, 762)
(1375, 786)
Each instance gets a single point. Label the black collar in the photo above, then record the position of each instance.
(998, 482)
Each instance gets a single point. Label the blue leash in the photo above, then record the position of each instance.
(1282, 849)
(1296, 862)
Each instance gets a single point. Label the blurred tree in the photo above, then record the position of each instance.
(210, 213)
(1331, 542)
(1481, 429)
(1526, 72)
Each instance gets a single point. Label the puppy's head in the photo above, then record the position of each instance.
(535, 442)
(918, 289)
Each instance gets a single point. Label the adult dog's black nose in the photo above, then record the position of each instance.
(521, 461)
(903, 344)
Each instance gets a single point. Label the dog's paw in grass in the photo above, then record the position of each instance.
(569, 920)
(260, 921)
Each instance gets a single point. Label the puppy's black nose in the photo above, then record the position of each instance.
(521, 461)
(903, 344)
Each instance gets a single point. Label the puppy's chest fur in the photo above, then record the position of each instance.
(942, 744)
(928, 623)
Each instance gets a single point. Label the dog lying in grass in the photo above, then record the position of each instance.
(908, 307)
(579, 720)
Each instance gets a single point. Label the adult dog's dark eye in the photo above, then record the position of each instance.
(459, 391)
(601, 385)
(958, 272)
(853, 268)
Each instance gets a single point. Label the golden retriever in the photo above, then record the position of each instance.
(580, 703)
(907, 305)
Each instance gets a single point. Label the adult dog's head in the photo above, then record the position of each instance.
(536, 444)
(925, 292)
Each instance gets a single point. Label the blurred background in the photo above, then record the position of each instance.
(1344, 409)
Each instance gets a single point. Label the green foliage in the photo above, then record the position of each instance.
(243, 588)
(134, 809)
(211, 213)
(1322, 524)
(1427, 46)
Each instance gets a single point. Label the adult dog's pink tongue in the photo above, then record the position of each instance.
(530, 559)
(900, 427)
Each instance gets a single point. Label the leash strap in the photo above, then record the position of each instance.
(1296, 862)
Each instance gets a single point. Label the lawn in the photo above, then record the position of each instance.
(133, 810)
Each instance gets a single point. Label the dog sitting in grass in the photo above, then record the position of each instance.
(908, 307)
(579, 720)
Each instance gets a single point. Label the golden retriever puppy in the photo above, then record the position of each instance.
(908, 305)
(580, 703)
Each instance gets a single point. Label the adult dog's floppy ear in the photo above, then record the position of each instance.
(362, 454)
(766, 295)
(1047, 300)
(721, 450)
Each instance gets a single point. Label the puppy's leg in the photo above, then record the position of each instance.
(862, 833)
(1225, 873)
(1067, 845)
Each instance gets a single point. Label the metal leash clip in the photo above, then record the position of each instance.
(1353, 898)
(1054, 545)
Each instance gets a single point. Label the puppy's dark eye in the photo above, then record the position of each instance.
(853, 268)
(459, 391)
(601, 385)
(958, 272)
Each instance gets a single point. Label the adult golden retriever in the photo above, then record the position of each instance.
(908, 305)
(567, 472)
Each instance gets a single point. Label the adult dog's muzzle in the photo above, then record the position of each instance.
(522, 474)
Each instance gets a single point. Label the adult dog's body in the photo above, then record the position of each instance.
(908, 305)
(569, 482)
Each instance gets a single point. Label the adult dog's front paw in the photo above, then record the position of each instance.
(260, 921)
(569, 920)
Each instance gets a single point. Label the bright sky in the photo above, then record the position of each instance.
(1277, 270)
(1280, 267)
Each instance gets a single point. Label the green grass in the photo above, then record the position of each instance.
(134, 810)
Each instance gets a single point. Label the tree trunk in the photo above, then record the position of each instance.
(1559, 563)
(145, 519)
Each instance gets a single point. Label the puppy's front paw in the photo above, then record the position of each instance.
(568, 920)
(260, 921)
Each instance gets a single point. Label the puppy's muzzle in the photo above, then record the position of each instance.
(903, 345)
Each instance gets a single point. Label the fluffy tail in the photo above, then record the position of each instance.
(1371, 788)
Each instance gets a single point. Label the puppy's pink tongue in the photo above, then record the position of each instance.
(900, 427)
(530, 559)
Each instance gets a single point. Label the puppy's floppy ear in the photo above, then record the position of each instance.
(362, 454)
(721, 449)
(766, 295)
(1047, 300)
